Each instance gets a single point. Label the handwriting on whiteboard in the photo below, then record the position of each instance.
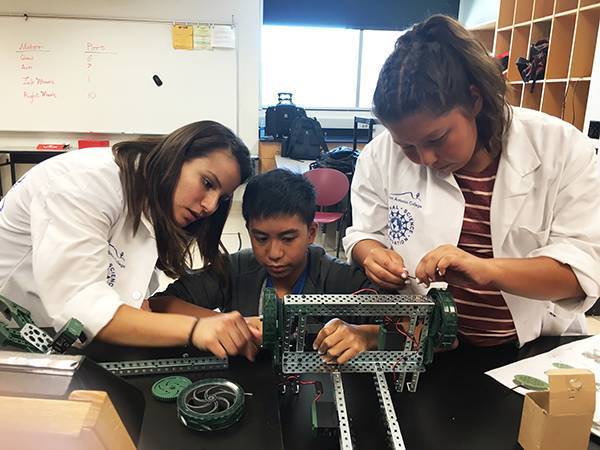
(95, 55)
(36, 86)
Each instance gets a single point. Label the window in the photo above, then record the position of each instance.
(320, 65)
(377, 46)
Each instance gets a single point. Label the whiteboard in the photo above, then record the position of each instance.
(78, 75)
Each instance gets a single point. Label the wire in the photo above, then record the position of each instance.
(360, 291)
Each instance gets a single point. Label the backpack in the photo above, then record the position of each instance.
(340, 158)
(279, 118)
(534, 68)
(306, 140)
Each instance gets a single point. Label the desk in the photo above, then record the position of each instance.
(456, 407)
(24, 155)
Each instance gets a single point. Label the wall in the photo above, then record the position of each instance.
(248, 18)
(472, 13)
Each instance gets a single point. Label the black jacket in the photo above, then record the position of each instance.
(327, 275)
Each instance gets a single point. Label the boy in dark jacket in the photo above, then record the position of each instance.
(279, 209)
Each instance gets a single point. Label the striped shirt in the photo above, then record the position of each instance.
(483, 316)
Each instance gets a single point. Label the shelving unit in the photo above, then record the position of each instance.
(572, 29)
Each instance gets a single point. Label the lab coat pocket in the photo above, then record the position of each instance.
(558, 320)
(528, 240)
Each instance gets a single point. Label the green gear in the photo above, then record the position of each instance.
(443, 323)
(270, 334)
(211, 404)
(168, 389)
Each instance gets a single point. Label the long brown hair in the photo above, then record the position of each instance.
(150, 169)
(432, 68)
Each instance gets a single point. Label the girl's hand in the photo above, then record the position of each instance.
(338, 342)
(385, 268)
(226, 334)
(455, 266)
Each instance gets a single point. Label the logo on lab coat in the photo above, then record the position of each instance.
(117, 255)
(401, 222)
(111, 275)
(401, 225)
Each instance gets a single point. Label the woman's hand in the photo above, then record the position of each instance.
(385, 268)
(455, 266)
(338, 342)
(226, 334)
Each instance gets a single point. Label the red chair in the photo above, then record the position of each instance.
(331, 186)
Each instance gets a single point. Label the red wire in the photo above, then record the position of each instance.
(372, 291)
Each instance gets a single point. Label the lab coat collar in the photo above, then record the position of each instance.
(514, 181)
(148, 224)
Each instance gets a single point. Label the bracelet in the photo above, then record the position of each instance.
(191, 335)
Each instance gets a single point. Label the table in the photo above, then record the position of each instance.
(24, 155)
(456, 406)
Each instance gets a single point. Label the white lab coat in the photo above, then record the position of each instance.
(66, 247)
(546, 202)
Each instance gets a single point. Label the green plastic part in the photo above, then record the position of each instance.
(68, 334)
(560, 365)
(211, 404)
(12, 311)
(443, 323)
(168, 389)
(10, 337)
(270, 303)
(531, 383)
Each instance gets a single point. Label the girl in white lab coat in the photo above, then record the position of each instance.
(82, 233)
(501, 203)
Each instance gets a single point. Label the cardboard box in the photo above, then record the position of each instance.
(560, 418)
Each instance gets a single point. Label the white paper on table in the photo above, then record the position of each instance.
(582, 354)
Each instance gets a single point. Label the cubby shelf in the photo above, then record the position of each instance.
(571, 26)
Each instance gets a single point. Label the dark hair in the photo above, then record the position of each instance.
(432, 68)
(150, 169)
(279, 192)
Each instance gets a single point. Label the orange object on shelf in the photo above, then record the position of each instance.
(86, 143)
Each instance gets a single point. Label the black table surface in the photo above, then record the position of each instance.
(456, 405)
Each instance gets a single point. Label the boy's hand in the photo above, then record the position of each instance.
(385, 268)
(226, 334)
(338, 342)
(256, 323)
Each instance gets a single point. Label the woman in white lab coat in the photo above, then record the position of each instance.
(81, 235)
(501, 203)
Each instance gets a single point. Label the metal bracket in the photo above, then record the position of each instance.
(385, 402)
(340, 404)
(165, 365)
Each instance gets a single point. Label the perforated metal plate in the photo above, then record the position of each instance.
(366, 362)
(385, 402)
(36, 337)
(166, 365)
(340, 404)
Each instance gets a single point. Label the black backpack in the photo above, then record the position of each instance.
(306, 140)
(339, 158)
(534, 68)
(279, 118)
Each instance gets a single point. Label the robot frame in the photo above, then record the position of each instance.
(410, 328)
